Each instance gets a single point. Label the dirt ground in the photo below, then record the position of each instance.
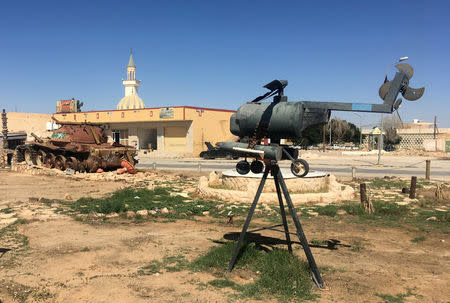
(65, 260)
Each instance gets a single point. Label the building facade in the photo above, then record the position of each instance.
(178, 130)
(415, 136)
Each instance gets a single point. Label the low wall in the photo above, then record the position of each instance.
(294, 184)
(335, 192)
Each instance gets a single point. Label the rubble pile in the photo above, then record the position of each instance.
(139, 177)
(4, 155)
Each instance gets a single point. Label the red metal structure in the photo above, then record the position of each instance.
(81, 147)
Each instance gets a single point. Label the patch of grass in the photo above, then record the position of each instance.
(85, 249)
(223, 283)
(280, 274)
(218, 257)
(387, 183)
(21, 292)
(175, 263)
(381, 183)
(398, 298)
(168, 263)
(382, 209)
(153, 267)
(283, 275)
(357, 246)
(418, 239)
(18, 243)
(387, 213)
(131, 199)
(6, 210)
(329, 210)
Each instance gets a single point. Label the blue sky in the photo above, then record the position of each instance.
(219, 53)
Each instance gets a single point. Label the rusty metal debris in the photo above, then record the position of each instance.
(81, 147)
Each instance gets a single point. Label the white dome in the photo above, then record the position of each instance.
(131, 102)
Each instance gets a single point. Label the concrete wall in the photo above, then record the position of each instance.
(436, 144)
(209, 125)
(29, 123)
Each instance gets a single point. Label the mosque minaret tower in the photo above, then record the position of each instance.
(131, 99)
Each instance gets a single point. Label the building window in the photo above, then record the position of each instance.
(151, 114)
(98, 115)
(120, 136)
(75, 117)
(122, 115)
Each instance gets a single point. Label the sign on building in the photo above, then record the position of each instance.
(165, 113)
(66, 106)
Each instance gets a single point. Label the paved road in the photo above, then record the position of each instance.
(339, 166)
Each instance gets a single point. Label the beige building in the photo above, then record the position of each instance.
(180, 130)
(39, 124)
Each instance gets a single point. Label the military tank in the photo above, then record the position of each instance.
(82, 147)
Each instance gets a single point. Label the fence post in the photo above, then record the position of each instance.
(353, 172)
(365, 199)
(154, 165)
(412, 190)
(363, 192)
(427, 169)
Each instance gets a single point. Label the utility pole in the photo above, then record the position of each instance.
(360, 129)
(380, 141)
(324, 138)
(360, 133)
(4, 130)
(330, 132)
(435, 132)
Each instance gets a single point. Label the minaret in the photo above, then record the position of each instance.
(131, 84)
(131, 99)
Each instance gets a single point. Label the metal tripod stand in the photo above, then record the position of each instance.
(279, 182)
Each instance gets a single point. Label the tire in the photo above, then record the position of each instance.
(299, 168)
(49, 160)
(30, 156)
(60, 162)
(257, 167)
(72, 163)
(243, 167)
(40, 157)
(18, 155)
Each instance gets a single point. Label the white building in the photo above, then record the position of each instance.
(131, 99)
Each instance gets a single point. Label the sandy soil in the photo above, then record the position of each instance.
(70, 261)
